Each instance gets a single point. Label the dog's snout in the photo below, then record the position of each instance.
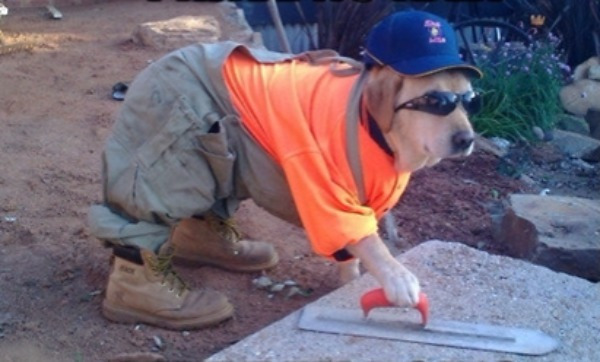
(462, 140)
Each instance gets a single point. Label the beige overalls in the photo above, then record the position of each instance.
(178, 150)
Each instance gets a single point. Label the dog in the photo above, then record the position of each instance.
(329, 150)
(418, 140)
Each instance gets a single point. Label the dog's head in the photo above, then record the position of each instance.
(418, 88)
(418, 138)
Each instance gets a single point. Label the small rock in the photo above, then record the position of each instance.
(502, 143)
(539, 133)
(276, 288)
(9, 218)
(158, 342)
(298, 291)
(262, 282)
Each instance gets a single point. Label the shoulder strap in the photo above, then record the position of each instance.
(339, 65)
(343, 66)
(352, 146)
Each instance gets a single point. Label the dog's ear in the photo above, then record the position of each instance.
(381, 91)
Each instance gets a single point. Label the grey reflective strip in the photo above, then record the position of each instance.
(352, 147)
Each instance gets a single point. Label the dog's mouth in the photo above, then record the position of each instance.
(459, 145)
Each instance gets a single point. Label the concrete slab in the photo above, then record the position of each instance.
(463, 284)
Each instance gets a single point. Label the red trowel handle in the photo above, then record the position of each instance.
(376, 298)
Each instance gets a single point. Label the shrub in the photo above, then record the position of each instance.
(520, 89)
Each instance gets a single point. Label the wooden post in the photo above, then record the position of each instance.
(283, 41)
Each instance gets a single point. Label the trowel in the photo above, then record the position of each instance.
(386, 324)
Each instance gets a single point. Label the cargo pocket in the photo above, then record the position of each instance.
(214, 147)
(174, 180)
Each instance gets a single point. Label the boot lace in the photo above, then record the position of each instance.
(224, 227)
(162, 265)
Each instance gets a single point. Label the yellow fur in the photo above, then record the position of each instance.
(418, 139)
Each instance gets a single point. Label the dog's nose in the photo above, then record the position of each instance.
(462, 140)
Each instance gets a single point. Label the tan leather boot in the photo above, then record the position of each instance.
(143, 288)
(217, 242)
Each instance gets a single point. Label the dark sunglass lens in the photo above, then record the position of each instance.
(473, 105)
(445, 103)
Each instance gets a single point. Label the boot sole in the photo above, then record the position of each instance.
(122, 315)
(198, 262)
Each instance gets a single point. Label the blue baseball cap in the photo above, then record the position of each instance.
(415, 43)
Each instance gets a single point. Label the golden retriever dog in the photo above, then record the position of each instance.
(418, 139)
(327, 147)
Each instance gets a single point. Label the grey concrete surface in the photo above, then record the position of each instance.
(463, 284)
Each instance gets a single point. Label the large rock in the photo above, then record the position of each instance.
(592, 156)
(463, 284)
(573, 144)
(561, 233)
(592, 118)
(228, 24)
(580, 96)
(584, 93)
(594, 72)
(573, 123)
(582, 71)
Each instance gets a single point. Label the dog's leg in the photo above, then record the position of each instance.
(392, 239)
(400, 285)
(348, 270)
(391, 231)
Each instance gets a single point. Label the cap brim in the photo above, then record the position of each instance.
(430, 65)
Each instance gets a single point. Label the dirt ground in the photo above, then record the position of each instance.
(55, 112)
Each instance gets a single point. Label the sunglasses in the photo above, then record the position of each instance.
(443, 103)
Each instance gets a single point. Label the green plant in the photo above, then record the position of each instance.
(520, 89)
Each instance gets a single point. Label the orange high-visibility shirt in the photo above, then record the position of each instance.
(297, 112)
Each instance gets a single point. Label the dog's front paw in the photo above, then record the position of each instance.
(401, 287)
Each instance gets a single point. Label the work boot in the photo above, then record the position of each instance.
(143, 288)
(214, 241)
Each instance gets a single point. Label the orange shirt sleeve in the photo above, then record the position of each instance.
(331, 215)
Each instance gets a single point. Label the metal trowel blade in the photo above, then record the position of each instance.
(385, 324)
